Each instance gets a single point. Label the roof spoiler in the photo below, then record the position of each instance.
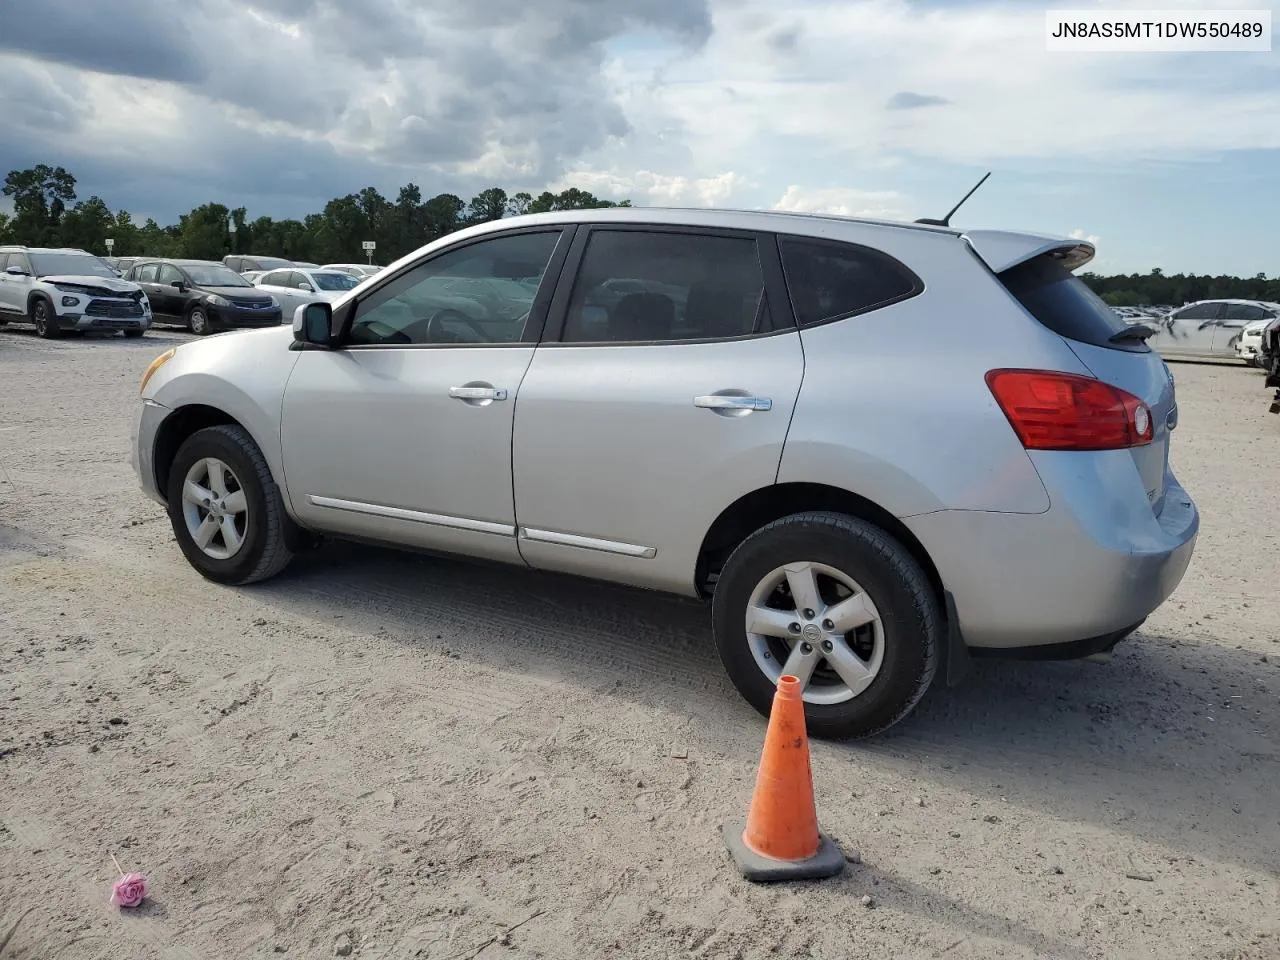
(1002, 250)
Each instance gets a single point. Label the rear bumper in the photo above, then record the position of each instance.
(1094, 565)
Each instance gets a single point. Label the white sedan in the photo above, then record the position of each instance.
(357, 270)
(296, 286)
(1250, 343)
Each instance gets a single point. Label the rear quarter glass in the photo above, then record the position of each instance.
(1063, 303)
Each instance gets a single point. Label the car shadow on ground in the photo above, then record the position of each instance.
(1174, 741)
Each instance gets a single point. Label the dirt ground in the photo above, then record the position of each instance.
(387, 756)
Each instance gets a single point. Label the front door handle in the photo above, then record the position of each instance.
(477, 393)
(717, 401)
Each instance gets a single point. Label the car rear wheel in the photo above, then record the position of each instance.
(42, 317)
(837, 603)
(198, 321)
(225, 508)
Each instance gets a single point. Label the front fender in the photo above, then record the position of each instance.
(242, 373)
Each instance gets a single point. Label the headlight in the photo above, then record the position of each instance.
(274, 302)
(156, 364)
(218, 301)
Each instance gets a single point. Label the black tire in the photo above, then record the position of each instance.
(198, 322)
(265, 551)
(42, 316)
(902, 594)
(134, 334)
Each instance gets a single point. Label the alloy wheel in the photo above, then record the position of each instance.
(215, 508)
(816, 623)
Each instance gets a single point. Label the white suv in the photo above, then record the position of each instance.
(67, 289)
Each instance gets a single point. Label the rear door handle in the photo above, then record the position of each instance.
(717, 401)
(477, 393)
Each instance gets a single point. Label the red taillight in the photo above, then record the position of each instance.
(1064, 411)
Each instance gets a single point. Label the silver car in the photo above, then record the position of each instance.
(298, 285)
(714, 404)
(1210, 329)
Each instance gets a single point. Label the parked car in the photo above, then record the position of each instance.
(242, 264)
(253, 275)
(292, 288)
(1269, 360)
(63, 289)
(859, 516)
(360, 270)
(1209, 329)
(121, 264)
(1250, 341)
(204, 296)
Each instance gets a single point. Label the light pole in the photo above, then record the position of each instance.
(231, 229)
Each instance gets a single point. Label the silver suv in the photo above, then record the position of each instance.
(60, 289)
(876, 448)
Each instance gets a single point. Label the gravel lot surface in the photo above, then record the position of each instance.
(387, 756)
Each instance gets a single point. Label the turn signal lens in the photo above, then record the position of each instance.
(1063, 411)
(156, 364)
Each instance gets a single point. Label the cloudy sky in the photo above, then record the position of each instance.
(888, 108)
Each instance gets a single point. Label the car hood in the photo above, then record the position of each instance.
(235, 292)
(114, 284)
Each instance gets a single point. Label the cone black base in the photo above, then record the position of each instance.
(827, 862)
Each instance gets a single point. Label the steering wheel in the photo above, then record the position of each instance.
(437, 333)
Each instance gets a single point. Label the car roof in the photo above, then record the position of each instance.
(1000, 249)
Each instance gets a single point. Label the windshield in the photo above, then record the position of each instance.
(214, 275)
(70, 264)
(335, 281)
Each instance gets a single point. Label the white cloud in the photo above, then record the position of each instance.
(1008, 99)
(645, 187)
(1091, 238)
(875, 204)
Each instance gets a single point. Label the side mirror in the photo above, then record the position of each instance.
(178, 285)
(313, 323)
(305, 286)
(16, 272)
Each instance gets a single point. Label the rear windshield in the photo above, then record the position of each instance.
(1064, 303)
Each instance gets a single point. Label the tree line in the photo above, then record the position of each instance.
(47, 213)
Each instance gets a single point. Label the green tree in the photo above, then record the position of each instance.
(87, 226)
(6, 233)
(488, 205)
(203, 233)
(40, 195)
(518, 205)
(442, 214)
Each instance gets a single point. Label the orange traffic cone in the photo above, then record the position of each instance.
(781, 840)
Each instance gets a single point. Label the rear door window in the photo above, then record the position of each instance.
(831, 281)
(148, 273)
(650, 286)
(1245, 312)
(1064, 303)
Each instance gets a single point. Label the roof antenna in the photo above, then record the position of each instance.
(946, 221)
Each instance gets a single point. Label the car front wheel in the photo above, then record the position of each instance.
(837, 603)
(42, 317)
(225, 508)
(198, 321)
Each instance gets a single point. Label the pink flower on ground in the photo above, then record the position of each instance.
(129, 891)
